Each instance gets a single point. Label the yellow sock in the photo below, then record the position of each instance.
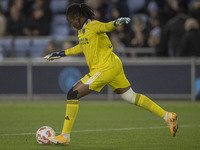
(145, 102)
(71, 112)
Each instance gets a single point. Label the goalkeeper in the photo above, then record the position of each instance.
(105, 69)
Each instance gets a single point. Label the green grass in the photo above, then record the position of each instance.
(26, 117)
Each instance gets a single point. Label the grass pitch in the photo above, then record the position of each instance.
(99, 126)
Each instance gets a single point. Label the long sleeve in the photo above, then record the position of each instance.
(74, 50)
(104, 27)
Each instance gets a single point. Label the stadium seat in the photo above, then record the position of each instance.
(58, 6)
(59, 25)
(22, 47)
(6, 45)
(4, 5)
(60, 30)
(38, 46)
(59, 19)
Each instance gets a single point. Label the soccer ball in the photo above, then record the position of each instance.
(43, 133)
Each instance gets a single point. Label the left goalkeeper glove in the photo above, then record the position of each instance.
(121, 21)
(55, 55)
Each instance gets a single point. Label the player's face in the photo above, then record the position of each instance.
(74, 22)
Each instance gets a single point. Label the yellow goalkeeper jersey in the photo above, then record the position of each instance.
(95, 44)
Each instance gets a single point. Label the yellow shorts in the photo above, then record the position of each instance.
(114, 77)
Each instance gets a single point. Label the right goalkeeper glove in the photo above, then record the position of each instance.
(55, 55)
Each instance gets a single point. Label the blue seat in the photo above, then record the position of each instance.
(4, 5)
(59, 19)
(38, 46)
(22, 47)
(60, 31)
(58, 6)
(6, 45)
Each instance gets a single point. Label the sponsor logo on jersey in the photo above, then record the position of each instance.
(83, 41)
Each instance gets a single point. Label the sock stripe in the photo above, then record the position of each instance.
(137, 97)
(72, 101)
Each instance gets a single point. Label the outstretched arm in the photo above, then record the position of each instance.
(71, 51)
(110, 26)
(74, 50)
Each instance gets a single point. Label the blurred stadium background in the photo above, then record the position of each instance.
(160, 51)
(160, 48)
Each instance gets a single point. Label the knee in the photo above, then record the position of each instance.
(128, 96)
(72, 94)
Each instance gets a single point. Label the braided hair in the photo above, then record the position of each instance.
(80, 10)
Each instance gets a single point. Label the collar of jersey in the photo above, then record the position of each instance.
(85, 23)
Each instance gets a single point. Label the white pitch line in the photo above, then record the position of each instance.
(12, 134)
(117, 129)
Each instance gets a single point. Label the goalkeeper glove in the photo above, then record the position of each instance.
(121, 21)
(55, 55)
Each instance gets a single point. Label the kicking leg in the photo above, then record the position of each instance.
(130, 96)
